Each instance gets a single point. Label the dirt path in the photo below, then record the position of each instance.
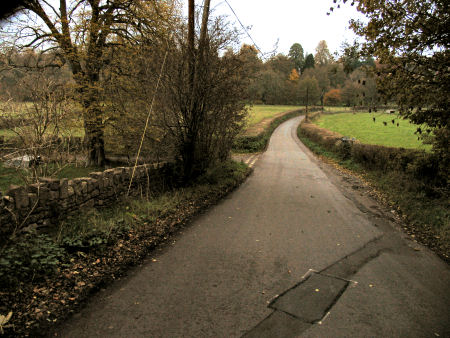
(296, 251)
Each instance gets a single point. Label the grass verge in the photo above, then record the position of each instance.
(47, 277)
(426, 216)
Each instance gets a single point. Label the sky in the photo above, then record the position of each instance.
(289, 21)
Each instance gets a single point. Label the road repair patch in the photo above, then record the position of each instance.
(311, 299)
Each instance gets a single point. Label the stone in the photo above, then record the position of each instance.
(70, 191)
(51, 183)
(32, 198)
(8, 201)
(84, 188)
(20, 196)
(64, 188)
(54, 195)
(44, 196)
(34, 188)
(98, 176)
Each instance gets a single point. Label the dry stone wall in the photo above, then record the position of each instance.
(45, 204)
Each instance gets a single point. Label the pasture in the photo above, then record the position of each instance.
(387, 130)
(259, 113)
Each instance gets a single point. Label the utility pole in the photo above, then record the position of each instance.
(204, 29)
(307, 99)
(191, 42)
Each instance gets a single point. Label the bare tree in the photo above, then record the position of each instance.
(84, 33)
(39, 125)
(195, 116)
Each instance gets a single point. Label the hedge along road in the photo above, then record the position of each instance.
(292, 230)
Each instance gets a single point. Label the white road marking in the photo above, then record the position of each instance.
(251, 160)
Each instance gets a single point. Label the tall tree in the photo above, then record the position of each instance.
(323, 55)
(85, 32)
(320, 73)
(249, 56)
(281, 64)
(310, 62)
(309, 91)
(350, 57)
(296, 54)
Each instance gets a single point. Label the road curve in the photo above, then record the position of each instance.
(219, 276)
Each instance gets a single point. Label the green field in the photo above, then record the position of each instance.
(259, 113)
(362, 127)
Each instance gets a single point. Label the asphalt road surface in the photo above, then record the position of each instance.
(297, 250)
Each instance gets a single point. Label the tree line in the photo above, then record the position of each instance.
(313, 79)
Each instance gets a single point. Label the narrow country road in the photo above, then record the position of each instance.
(292, 252)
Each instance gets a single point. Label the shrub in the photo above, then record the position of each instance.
(333, 97)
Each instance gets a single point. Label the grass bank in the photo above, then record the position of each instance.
(423, 207)
(57, 272)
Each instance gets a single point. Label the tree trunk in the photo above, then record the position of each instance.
(93, 125)
(94, 137)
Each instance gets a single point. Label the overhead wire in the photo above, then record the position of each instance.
(148, 117)
(245, 29)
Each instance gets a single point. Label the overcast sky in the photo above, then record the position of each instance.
(290, 21)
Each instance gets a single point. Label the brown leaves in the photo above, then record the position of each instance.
(4, 321)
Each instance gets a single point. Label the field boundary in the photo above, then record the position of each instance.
(417, 163)
(47, 203)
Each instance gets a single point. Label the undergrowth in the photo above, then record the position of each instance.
(36, 256)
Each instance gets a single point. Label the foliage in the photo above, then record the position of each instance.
(294, 75)
(333, 97)
(350, 93)
(39, 125)
(249, 56)
(323, 55)
(199, 105)
(309, 92)
(276, 81)
(310, 62)
(350, 57)
(281, 64)
(410, 40)
(84, 35)
(30, 257)
(322, 74)
(273, 87)
(297, 56)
